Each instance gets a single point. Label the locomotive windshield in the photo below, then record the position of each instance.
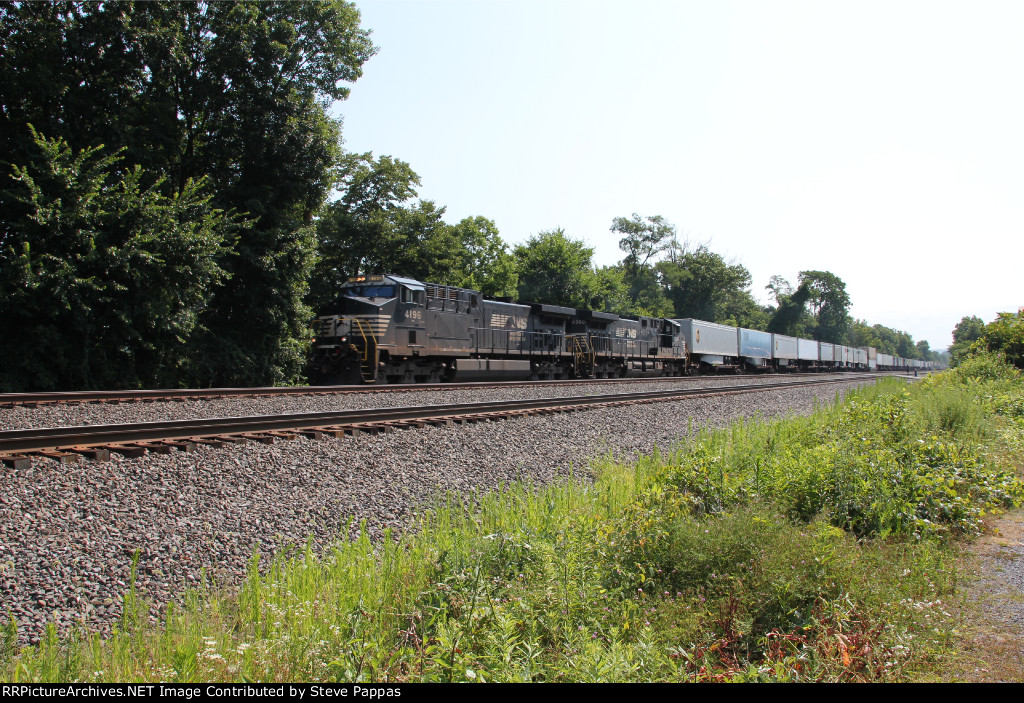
(371, 291)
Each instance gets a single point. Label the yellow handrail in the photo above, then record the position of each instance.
(367, 363)
(583, 355)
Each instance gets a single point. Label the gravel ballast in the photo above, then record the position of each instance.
(103, 413)
(68, 533)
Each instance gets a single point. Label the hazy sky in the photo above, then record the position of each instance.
(882, 141)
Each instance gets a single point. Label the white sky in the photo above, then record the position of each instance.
(882, 141)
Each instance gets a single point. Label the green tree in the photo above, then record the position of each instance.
(373, 228)
(421, 245)
(612, 291)
(354, 232)
(1005, 335)
(967, 331)
(829, 303)
(744, 311)
(557, 270)
(486, 263)
(863, 335)
(779, 288)
(643, 238)
(104, 273)
(889, 340)
(791, 317)
(905, 346)
(702, 284)
(236, 92)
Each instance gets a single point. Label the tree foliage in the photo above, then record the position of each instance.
(233, 92)
(792, 317)
(104, 273)
(829, 303)
(967, 331)
(353, 232)
(555, 269)
(486, 263)
(888, 341)
(779, 288)
(373, 228)
(643, 238)
(702, 284)
(1005, 335)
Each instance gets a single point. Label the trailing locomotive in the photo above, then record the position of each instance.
(390, 329)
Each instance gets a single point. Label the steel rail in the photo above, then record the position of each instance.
(57, 397)
(61, 438)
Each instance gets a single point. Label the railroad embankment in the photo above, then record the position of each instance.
(825, 547)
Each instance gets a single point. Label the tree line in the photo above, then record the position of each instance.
(1003, 336)
(175, 203)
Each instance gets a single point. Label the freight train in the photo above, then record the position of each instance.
(390, 329)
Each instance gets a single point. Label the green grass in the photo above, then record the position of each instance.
(819, 548)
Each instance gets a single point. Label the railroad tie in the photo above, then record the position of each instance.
(131, 451)
(179, 444)
(281, 434)
(155, 447)
(262, 438)
(407, 424)
(217, 442)
(60, 457)
(336, 432)
(94, 453)
(350, 430)
(231, 439)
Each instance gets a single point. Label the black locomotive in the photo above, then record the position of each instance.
(389, 329)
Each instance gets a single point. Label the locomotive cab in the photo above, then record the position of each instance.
(373, 317)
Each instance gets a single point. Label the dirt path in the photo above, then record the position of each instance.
(993, 635)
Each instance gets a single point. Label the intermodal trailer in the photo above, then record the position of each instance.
(827, 352)
(708, 342)
(755, 346)
(808, 352)
(785, 350)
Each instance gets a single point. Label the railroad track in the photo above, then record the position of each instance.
(68, 444)
(34, 400)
